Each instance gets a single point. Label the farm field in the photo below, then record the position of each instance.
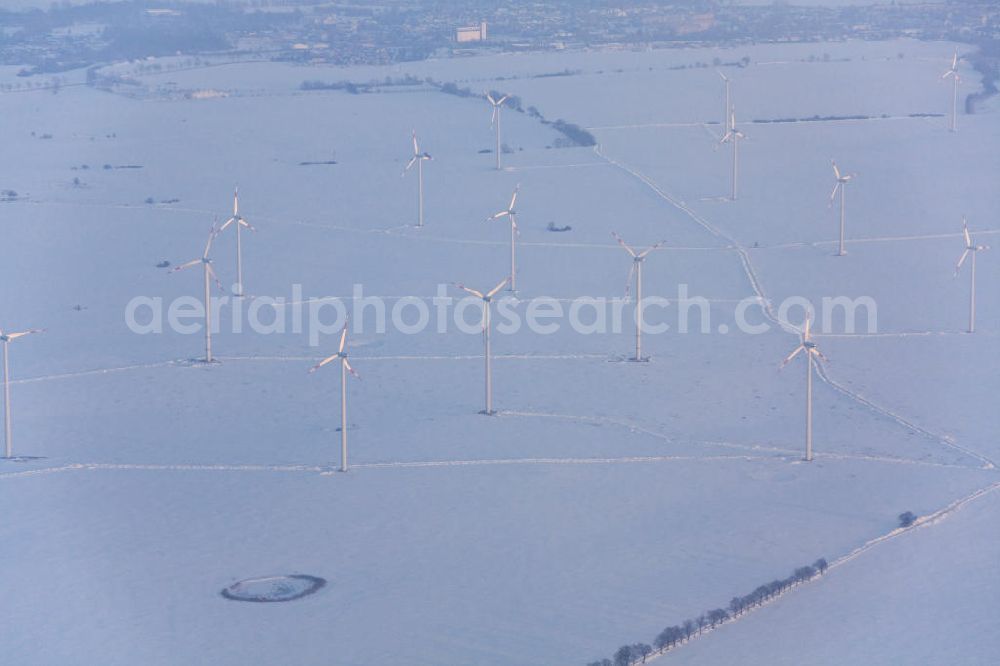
(606, 499)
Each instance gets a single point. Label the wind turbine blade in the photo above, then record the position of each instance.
(502, 100)
(471, 291)
(806, 336)
(218, 283)
(833, 194)
(965, 232)
(490, 98)
(493, 119)
(961, 260)
(513, 198)
(247, 225)
(818, 354)
(236, 202)
(351, 370)
(413, 160)
(788, 359)
(651, 248)
(193, 262)
(721, 75)
(954, 61)
(323, 362)
(343, 339)
(497, 288)
(497, 216)
(628, 282)
(622, 242)
(211, 237)
(836, 171)
(21, 334)
(226, 224)
(416, 147)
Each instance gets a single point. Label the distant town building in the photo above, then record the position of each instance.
(476, 33)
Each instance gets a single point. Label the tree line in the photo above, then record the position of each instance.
(572, 134)
(637, 653)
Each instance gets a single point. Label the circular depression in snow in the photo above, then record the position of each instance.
(273, 588)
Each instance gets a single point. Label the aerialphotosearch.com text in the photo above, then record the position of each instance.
(452, 308)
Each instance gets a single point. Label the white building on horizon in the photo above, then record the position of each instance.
(475, 33)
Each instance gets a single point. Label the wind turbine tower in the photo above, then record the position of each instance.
(210, 275)
(511, 214)
(418, 158)
(734, 136)
(345, 367)
(238, 221)
(955, 79)
(487, 299)
(973, 249)
(638, 257)
(813, 355)
(6, 338)
(495, 121)
(842, 180)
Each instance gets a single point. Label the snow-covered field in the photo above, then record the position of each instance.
(607, 499)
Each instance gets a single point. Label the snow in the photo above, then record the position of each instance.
(918, 599)
(606, 499)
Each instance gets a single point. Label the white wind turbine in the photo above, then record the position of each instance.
(209, 272)
(239, 222)
(842, 180)
(511, 213)
(973, 249)
(725, 110)
(813, 355)
(418, 158)
(637, 260)
(733, 136)
(345, 367)
(495, 120)
(6, 338)
(487, 299)
(955, 79)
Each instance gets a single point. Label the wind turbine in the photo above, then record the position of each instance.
(418, 159)
(637, 259)
(813, 355)
(725, 111)
(733, 136)
(842, 180)
(511, 214)
(495, 121)
(973, 249)
(487, 300)
(345, 367)
(8, 450)
(209, 274)
(239, 222)
(953, 73)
